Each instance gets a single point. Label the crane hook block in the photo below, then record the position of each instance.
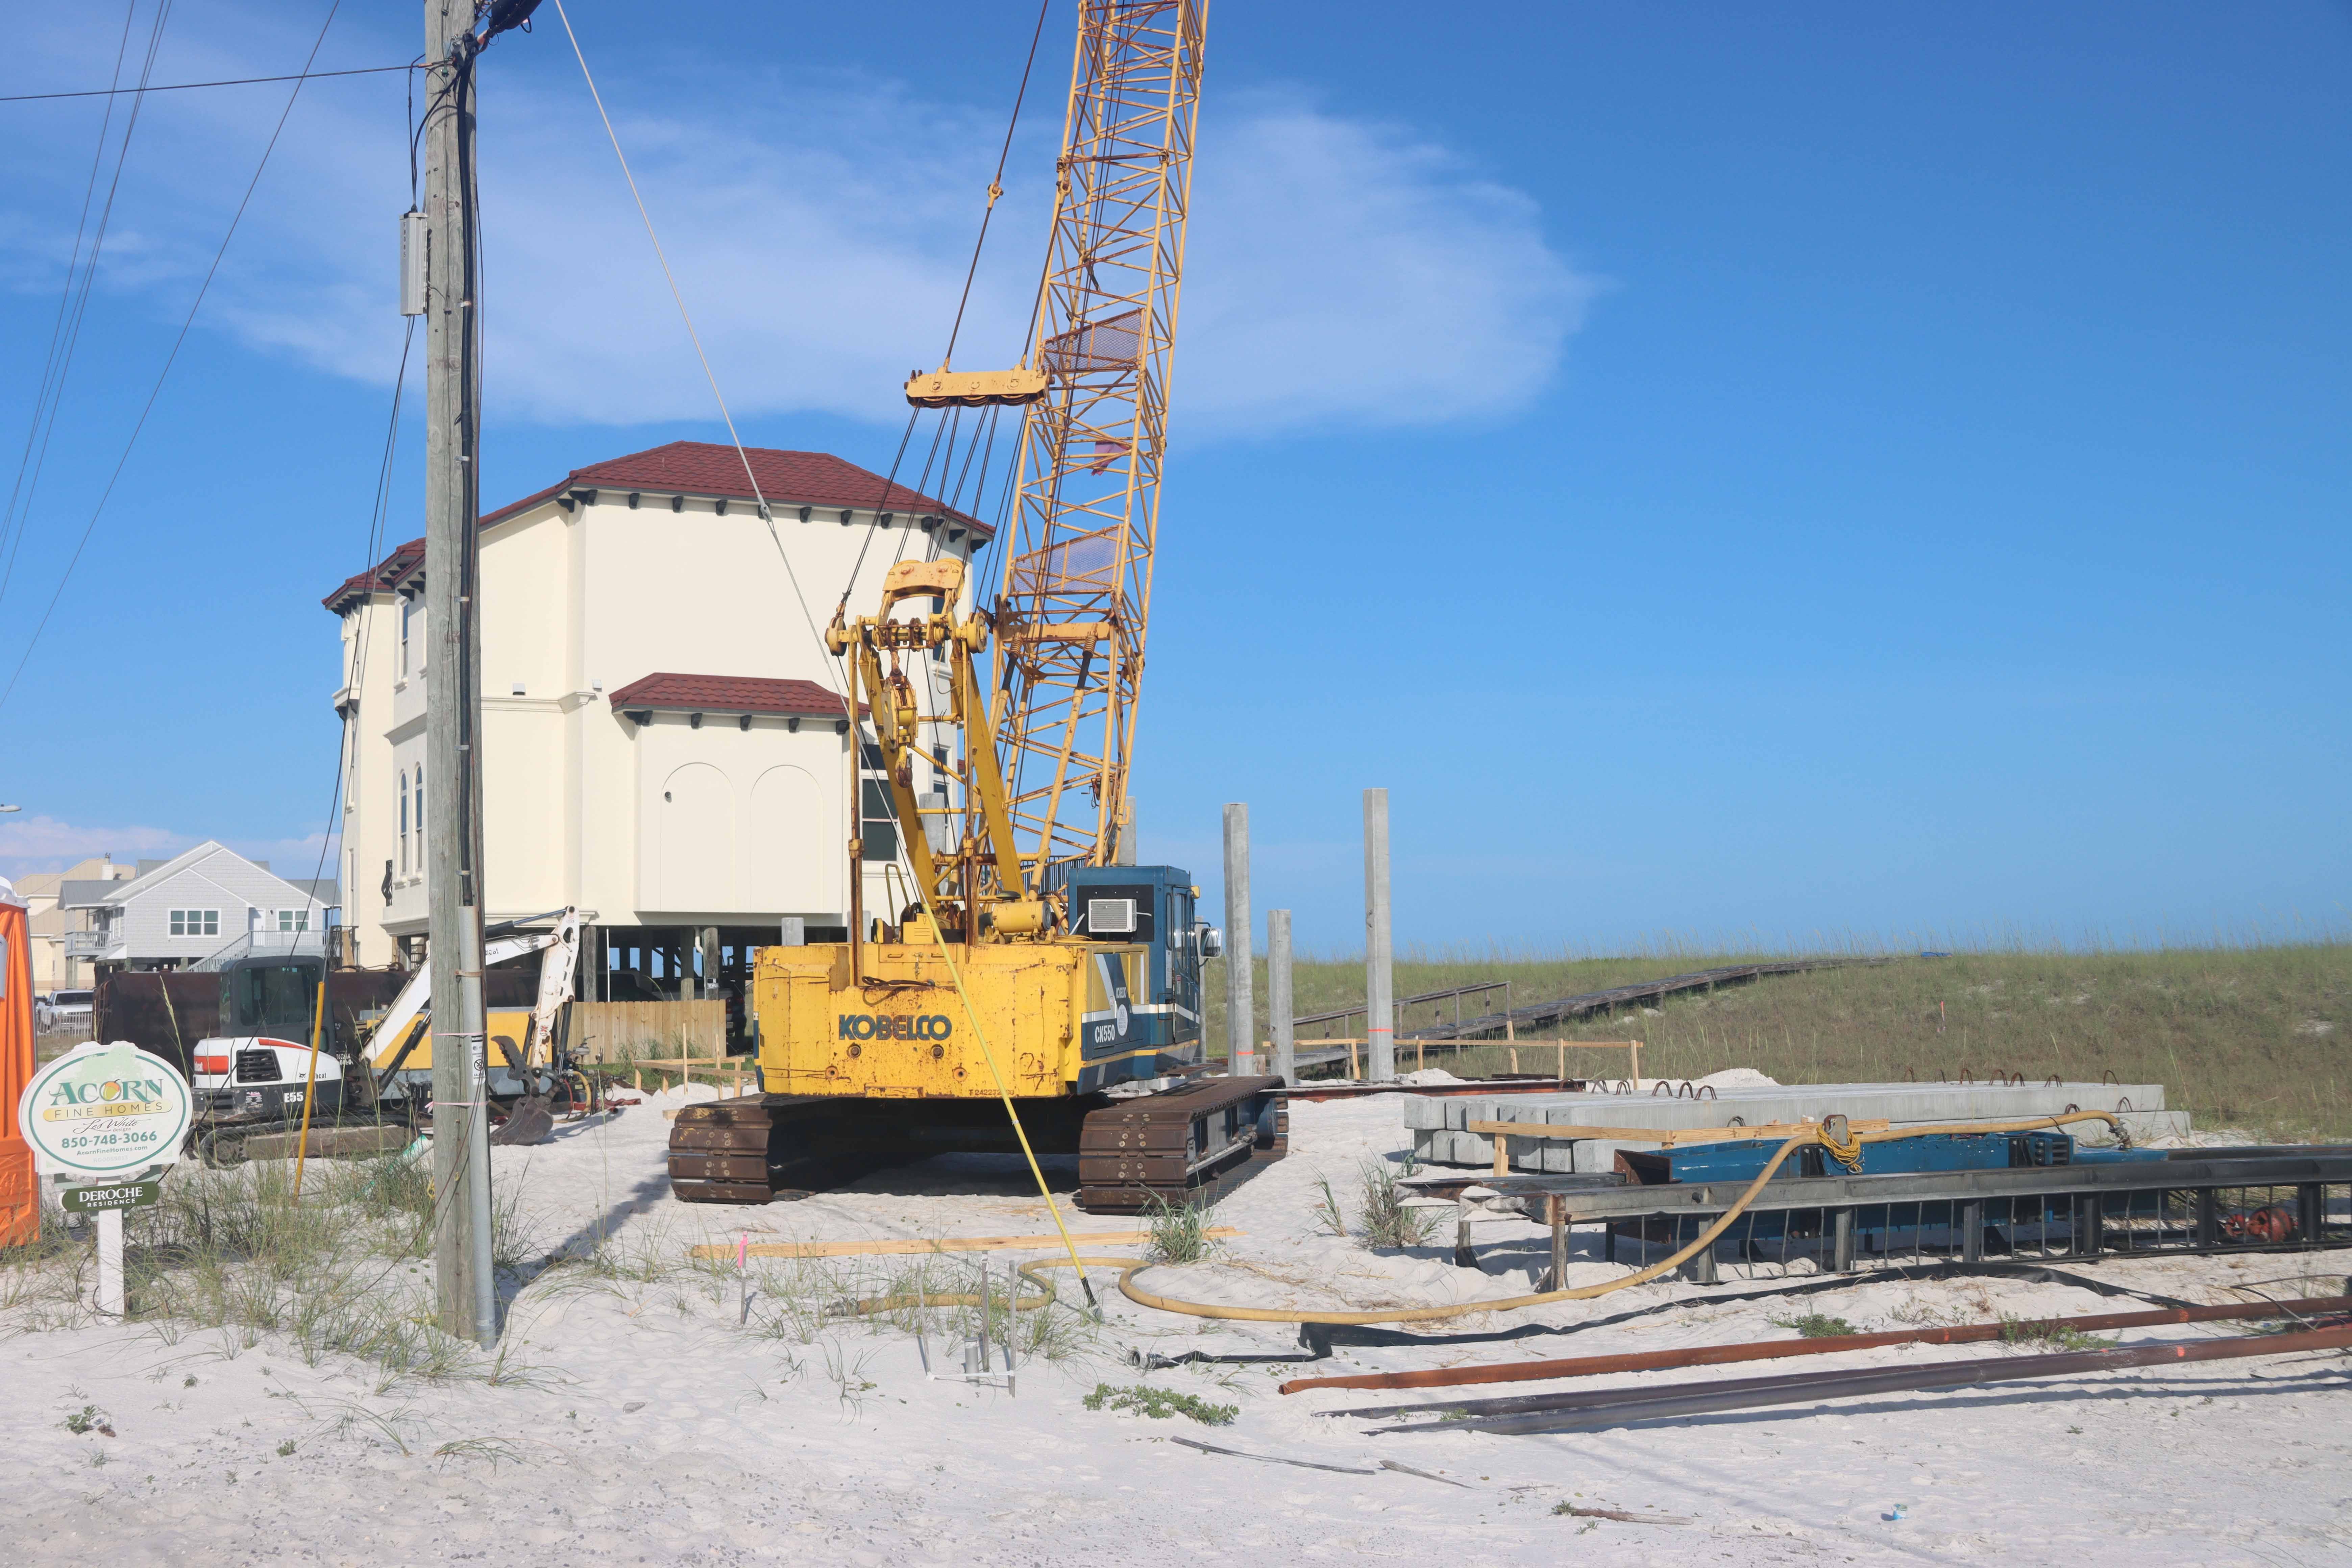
(975, 388)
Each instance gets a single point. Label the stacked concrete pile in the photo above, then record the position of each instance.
(1438, 1124)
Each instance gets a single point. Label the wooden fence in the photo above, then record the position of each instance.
(608, 1031)
(1310, 1053)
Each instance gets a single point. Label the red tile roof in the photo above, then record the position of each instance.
(730, 694)
(381, 577)
(788, 479)
(709, 468)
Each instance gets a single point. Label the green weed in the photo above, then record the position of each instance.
(1159, 1404)
(1386, 1221)
(1326, 1212)
(2040, 1335)
(1179, 1231)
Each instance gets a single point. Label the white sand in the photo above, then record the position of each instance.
(648, 1427)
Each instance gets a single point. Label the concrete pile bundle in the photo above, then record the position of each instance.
(1440, 1137)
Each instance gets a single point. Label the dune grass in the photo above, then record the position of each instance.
(2246, 1036)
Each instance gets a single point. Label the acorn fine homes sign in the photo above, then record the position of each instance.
(105, 1110)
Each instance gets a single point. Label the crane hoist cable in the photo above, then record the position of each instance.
(955, 331)
(849, 707)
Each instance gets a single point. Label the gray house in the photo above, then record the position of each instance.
(176, 913)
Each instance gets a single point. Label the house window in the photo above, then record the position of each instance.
(404, 826)
(293, 919)
(195, 922)
(420, 816)
(407, 608)
(880, 832)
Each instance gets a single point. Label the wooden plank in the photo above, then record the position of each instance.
(1542, 1130)
(1459, 1045)
(1502, 1132)
(942, 1244)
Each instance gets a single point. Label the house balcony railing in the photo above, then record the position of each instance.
(93, 944)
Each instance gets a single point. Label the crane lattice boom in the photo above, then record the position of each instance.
(1076, 600)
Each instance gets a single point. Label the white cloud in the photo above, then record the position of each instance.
(35, 843)
(31, 844)
(296, 860)
(1346, 271)
(1342, 271)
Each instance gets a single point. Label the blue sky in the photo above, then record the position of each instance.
(1836, 472)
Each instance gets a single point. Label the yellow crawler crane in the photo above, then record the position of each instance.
(1031, 966)
(1081, 1005)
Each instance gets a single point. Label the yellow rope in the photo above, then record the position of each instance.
(1846, 1150)
(1005, 1095)
(309, 1088)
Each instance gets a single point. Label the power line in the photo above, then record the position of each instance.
(186, 86)
(347, 749)
(169, 360)
(49, 367)
(73, 307)
(848, 708)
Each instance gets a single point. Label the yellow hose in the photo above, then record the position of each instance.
(1847, 1152)
(1811, 1135)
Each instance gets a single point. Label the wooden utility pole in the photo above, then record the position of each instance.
(466, 1292)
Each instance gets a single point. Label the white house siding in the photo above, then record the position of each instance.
(209, 877)
(370, 652)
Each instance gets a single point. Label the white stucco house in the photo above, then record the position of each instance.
(664, 740)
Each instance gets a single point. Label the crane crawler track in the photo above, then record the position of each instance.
(1188, 1145)
(1185, 1145)
(756, 1148)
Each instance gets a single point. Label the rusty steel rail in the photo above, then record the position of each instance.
(1775, 1349)
(1620, 1406)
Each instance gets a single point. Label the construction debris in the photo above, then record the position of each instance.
(1621, 1406)
(1831, 1344)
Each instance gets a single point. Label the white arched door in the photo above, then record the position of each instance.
(794, 849)
(695, 869)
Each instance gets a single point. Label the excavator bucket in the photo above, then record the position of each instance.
(530, 1121)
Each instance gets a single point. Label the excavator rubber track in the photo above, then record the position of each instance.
(1183, 1146)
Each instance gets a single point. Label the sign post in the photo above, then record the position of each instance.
(102, 1113)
